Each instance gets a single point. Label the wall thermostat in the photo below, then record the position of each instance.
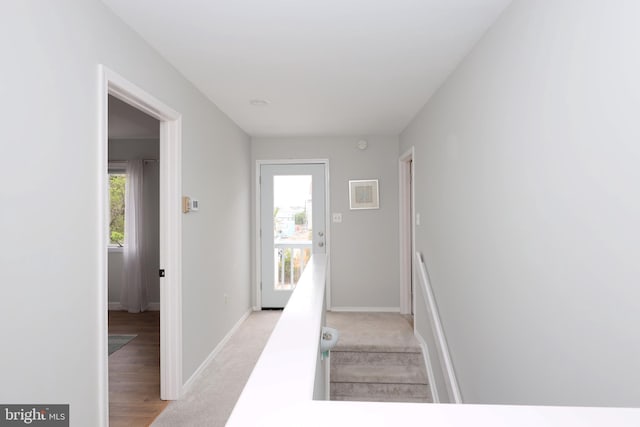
(189, 204)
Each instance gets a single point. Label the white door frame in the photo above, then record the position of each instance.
(257, 239)
(407, 229)
(110, 83)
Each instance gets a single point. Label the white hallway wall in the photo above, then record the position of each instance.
(364, 247)
(49, 257)
(129, 149)
(527, 181)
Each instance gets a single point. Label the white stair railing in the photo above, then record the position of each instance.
(436, 326)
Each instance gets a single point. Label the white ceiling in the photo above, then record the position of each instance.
(328, 67)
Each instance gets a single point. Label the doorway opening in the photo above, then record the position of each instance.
(407, 231)
(168, 166)
(291, 222)
(133, 265)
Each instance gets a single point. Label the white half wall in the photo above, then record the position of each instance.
(364, 246)
(51, 248)
(527, 185)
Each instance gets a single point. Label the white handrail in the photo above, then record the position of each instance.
(441, 340)
(288, 368)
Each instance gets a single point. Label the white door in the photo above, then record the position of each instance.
(292, 220)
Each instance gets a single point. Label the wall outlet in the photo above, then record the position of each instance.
(336, 217)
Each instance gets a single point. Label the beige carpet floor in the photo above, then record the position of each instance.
(211, 399)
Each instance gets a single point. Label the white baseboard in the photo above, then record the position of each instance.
(427, 362)
(189, 383)
(115, 306)
(368, 309)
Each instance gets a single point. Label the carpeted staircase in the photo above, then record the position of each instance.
(377, 359)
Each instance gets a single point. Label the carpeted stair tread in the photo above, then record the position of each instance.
(410, 347)
(390, 374)
(381, 399)
(376, 358)
(381, 392)
(373, 332)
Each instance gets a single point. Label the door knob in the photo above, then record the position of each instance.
(320, 233)
(321, 244)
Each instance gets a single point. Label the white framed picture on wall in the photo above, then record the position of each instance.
(363, 194)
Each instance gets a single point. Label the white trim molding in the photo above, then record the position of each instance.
(102, 190)
(171, 259)
(111, 83)
(187, 385)
(406, 168)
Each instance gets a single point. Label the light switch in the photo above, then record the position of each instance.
(336, 217)
(417, 219)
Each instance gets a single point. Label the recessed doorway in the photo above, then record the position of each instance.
(133, 265)
(170, 232)
(407, 231)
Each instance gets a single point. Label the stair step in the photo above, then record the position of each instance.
(373, 332)
(380, 392)
(381, 399)
(385, 374)
(404, 347)
(376, 358)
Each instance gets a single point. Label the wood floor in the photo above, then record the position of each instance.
(134, 370)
